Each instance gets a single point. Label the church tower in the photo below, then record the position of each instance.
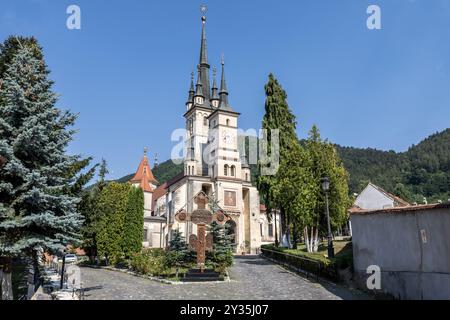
(144, 179)
(212, 159)
(201, 103)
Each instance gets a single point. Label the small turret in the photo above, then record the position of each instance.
(199, 97)
(223, 90)
(190, 100)
(215, 99)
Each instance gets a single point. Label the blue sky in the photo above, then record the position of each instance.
(126, 72)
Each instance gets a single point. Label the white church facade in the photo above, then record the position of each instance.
(214, 163)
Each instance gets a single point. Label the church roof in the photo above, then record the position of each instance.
(144, 175)
(158, 193)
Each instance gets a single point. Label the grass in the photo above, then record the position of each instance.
(343, 253)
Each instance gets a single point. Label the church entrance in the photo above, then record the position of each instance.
(231, 227)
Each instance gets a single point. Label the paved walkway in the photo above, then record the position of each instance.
(252, 278)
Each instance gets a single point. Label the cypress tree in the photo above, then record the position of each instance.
(111, 206)
(133, 222)
(92, 213)
(278, 116)
(37, 212)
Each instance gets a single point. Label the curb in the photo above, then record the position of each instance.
(165, 281)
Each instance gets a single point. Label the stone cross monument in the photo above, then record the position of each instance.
(201, 217)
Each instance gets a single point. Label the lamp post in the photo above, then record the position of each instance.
(326, 187)
(62, 269)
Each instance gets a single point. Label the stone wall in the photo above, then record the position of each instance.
(411, 245)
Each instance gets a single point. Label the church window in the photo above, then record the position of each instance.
(228, 122)
(271, 230)
(205, 121)
(225, 170)
(261, 229)
(145, 235)
(232, 171)
(189, 170)
(246, 177)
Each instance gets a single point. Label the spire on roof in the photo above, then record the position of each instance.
(203, 62)
(191, 90)
(156, 161)
(223, 89)
(215, 90)
(144, 176)
(199, 92)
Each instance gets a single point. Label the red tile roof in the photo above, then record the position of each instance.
(144, 175)
(158, 193)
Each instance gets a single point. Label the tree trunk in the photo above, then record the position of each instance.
(284, 231)
(305, 234)
(6, 279)
(295, 238)
(316, 240)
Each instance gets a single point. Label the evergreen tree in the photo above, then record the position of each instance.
(36, 210)
(134, 222)
(178, 254)
(325, 162)
(92, 212)
(223, 245)
(278, 116)
(111, 206)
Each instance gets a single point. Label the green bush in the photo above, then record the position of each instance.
(149, 262)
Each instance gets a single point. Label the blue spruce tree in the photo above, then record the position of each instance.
(37, 211)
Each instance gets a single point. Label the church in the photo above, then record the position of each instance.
(214, 164)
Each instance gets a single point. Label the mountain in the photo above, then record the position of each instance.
(422, 171)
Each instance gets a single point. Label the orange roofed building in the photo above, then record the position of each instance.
(153, 225)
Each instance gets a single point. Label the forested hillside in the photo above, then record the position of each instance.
(422, 171)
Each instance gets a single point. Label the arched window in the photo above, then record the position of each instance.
(246, 177)
(232, 170)
(228, 122)
(225, 170)
(189, 170)
(205, 121)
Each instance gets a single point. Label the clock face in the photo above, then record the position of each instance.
(227, 137)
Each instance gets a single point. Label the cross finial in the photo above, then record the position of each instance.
(145, 151)
(203, 10)
(222, 59)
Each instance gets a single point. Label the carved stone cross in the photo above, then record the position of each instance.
(201, 217)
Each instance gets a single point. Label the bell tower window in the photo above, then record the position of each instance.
(225, 170)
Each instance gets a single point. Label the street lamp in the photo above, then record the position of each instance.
(62, 268)
(326, 187)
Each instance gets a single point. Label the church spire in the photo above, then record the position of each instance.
(203, 62)
(191, 91)
(223, 89)
(215, 91)
(199, 92)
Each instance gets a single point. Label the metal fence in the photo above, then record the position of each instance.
(308, 267)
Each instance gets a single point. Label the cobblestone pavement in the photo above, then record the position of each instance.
(252, 278)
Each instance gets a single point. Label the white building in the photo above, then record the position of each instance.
(374, 197)
(213, 163)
